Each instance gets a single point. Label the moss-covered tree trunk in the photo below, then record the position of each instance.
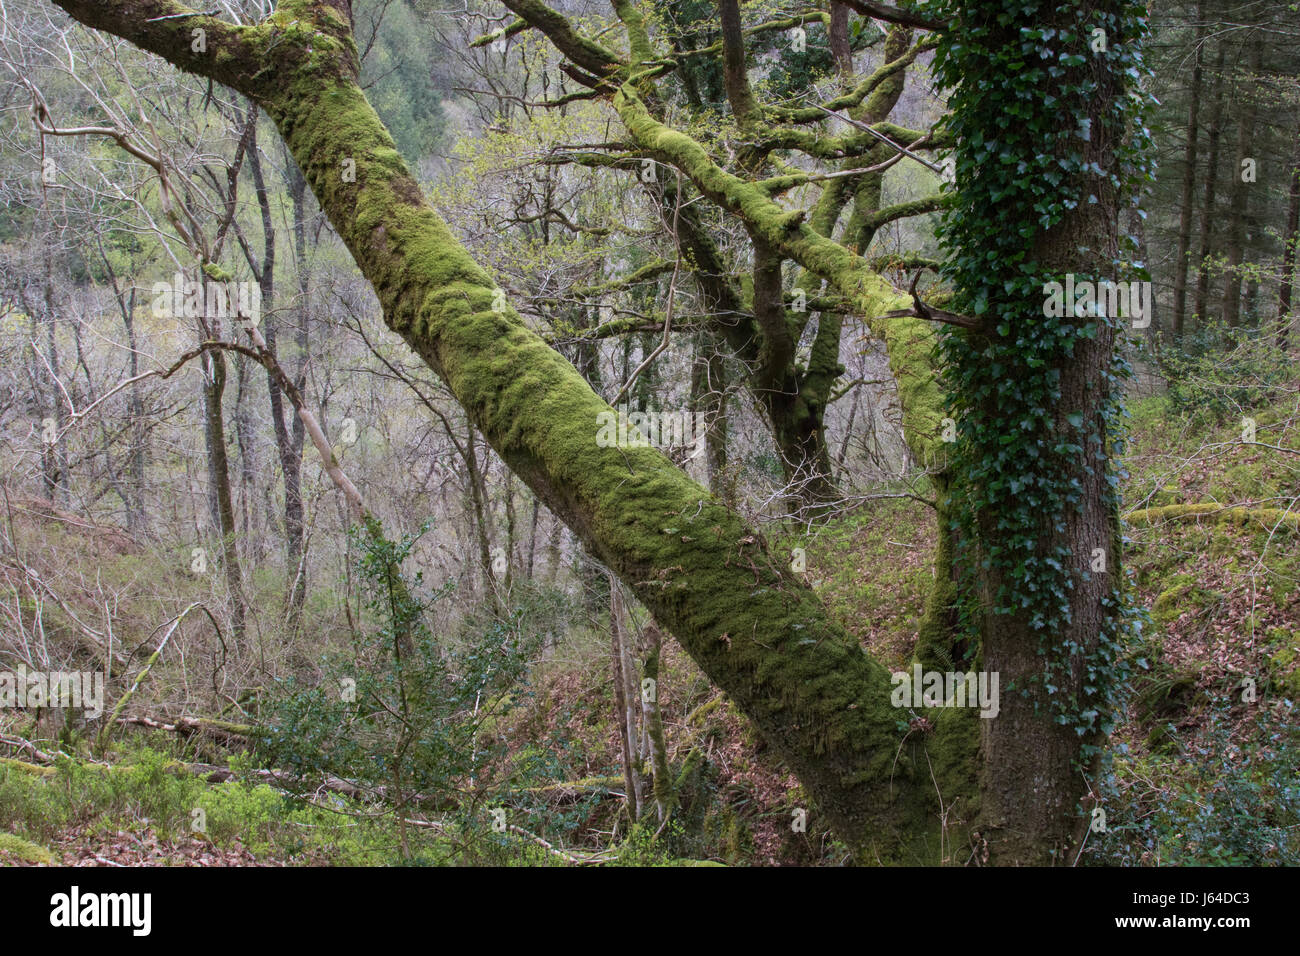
(757, 630)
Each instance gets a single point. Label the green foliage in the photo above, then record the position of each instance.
(400, 710)
(401, 83)
(798, 70)
(24, 850)
(694, 25)
(641, 847)
(150, 791)
(1230, 799)
(1216, 372)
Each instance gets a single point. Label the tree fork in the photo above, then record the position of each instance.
(755, 629)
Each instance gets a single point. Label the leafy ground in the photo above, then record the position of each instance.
(1205, 769)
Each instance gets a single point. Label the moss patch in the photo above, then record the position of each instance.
(24, 851)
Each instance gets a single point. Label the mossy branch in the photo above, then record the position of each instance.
(1267, 519)
(105, 732)
(908, 340)
(755, 628)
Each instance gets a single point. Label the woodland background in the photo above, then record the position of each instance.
(190, 514)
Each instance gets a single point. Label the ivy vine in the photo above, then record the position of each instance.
(1024, 79)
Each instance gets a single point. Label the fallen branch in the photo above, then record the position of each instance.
(26, 746)
(188, 726)
(106, 731)
(1268, 519)
(577, 861)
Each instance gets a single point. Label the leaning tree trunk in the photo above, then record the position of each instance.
(755, 629)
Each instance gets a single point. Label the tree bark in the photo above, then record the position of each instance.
(1290, 239)
(625, 700)
(1241, 190)
(1181, 264)
(214, 387)
(1213, 131)
(755, 629)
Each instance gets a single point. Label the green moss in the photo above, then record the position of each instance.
(1172, 601)
(1165, 495)
(1282, 662)
(25, 851)
(1268, 519)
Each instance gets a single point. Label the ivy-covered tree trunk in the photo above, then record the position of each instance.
(1036, 393)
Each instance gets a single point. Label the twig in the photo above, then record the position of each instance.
(883, 138)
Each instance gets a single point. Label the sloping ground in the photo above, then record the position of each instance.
(735, 805)
(1207, 751)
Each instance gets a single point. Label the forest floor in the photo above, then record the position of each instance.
(1204, 764)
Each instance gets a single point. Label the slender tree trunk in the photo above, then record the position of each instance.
(1291, 238)
(554, 558)
(841, 49)
(289, 454)
(662, 786)
(139, 429)
(55, 459)
(709, 404)
(509, 481)
(1213, 132)
(1247, 149)
(532, 539)
(133, 499)
(1185, 202)
(478, 502)
(294, 519)
(624, 700)
(214, 387)
(245, 435)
